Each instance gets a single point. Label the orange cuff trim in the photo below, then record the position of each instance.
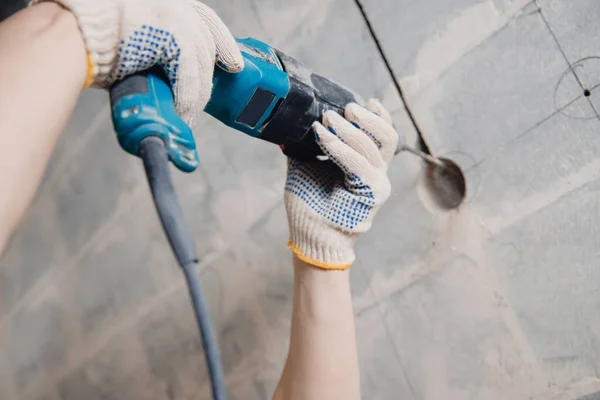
(91, 74)
(319, 264)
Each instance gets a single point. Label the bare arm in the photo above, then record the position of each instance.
(322, 361)
(329, 204)
(43, 69)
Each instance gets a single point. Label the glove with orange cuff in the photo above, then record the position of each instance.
(330, 203)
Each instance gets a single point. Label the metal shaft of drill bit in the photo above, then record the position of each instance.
(424, 156)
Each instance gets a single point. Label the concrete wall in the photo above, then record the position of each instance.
(495, 301)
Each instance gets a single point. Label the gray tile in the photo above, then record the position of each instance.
(81, 125)
(241, 290)
(78, 386)
(595, 396)
(226, 154)
(171, 346)
(243, 17)
(37, 341)
(269, 241)
(238, 336)
(240, 179)
(33, 250)
(401, 236)
(257, 384)
(116, 276)
(116, 372)
(169, 334)
(450, 334)
(277, 298)
(404, 233)
(90, 190)
(531, 170)
(6, 372)
(197, 198)
(382, 374)
(547, 261)
(50, 394)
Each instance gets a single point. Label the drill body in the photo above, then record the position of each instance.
(274, 99)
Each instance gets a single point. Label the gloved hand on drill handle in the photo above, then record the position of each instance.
(185, 37)
(329, 204)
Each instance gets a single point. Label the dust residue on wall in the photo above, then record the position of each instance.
(462, 34)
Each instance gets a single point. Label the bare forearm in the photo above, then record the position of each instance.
(322, 360)
(42, 72)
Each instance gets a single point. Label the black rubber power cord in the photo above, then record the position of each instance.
(154, 155)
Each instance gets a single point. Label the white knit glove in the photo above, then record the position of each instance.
(184, 37)
(330, 203)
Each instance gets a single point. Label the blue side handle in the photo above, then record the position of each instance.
(143, 106)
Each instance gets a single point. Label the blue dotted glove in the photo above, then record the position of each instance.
(330, 203)
(184, 37)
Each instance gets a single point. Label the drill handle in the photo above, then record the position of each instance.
(143, 106)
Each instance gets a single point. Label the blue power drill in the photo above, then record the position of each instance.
(274, 99)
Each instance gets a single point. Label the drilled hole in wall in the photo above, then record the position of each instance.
(445, 184)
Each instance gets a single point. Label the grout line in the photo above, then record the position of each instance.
(423, 144)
